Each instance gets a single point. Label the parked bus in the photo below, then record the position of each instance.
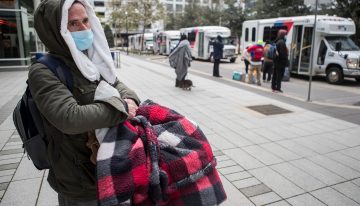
(335, 55)
(200, 39)
(166, 41)
(136, 39)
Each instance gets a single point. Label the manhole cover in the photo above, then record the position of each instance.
(269, 109)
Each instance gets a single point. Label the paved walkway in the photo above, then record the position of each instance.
(295, 158)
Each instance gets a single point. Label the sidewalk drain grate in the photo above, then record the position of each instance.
(269, 109)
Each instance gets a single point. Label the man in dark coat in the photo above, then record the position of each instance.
(218, 53)
(280, 62)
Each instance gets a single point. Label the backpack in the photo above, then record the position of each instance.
(271, 53)
(257, 53)
(27, 118)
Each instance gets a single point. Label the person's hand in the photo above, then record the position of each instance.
(132, 107)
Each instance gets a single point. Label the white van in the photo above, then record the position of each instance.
(166, 41)
(335, 55)
(200, 39)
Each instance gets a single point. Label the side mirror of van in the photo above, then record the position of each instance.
(338, 46)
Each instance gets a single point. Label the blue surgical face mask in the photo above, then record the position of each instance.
(83, 39)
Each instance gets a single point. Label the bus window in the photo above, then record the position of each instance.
(267, 34)
(253, 34)
(247, 34)
(191, 36)
(274, 31)
(322, 53)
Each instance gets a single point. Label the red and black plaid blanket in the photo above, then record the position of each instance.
(158, 158)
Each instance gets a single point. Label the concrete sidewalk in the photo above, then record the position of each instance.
(294, 158)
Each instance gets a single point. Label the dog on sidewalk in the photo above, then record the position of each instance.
(186, 84)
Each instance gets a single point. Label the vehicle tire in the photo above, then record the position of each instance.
(357, 79)
(334, 75)
(232, 60)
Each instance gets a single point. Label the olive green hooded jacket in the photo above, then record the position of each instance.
(69, 115)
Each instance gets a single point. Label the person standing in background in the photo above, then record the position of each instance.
(218, 53)
(268, 62)
(280, 61)
(256, 53)
(245, 57)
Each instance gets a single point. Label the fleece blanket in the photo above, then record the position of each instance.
(158, 158)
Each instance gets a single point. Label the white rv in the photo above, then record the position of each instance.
(135, 42)
(148, 42)
(335, 55)
(166, 41)
(200, 39)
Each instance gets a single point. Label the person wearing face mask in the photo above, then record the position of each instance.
(73, 34)
(280, 61)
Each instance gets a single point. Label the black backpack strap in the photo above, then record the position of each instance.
(59, 68)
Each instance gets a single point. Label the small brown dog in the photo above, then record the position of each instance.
(186, 84)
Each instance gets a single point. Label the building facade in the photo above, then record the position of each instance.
(17, 35)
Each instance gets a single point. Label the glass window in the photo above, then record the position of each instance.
(28, 5)
(346, 43)
(169, 8)
(100, 14)
(270, 33)
(253, 34)
(9, 47)
(267, 33)
(191, 36)
(179, 8)
(322, 53)
(99, 3)
(17, 37)
(7, 4)
(247, 34)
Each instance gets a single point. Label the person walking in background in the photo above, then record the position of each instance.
(269, 54)
(180, 59)
(218, 53)
(73, 34)
(256, 53)
(245, 57)
(280, 61)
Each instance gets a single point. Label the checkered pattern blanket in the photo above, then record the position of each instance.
(158, 158)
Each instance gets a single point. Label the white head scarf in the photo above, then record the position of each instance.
(99, 62)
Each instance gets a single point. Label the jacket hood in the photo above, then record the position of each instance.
(51, 19)
(47, 24)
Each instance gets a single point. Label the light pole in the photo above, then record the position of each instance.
(312, 52)
(127, 34)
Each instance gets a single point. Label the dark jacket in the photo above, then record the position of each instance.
(218, 49)
(282, 53)
(68, 116)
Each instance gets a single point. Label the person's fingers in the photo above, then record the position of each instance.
(132, 107)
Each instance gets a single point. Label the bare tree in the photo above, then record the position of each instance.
(144, 13)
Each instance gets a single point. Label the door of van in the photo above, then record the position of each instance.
(321, 55)
(201, 44)
(300, 53)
